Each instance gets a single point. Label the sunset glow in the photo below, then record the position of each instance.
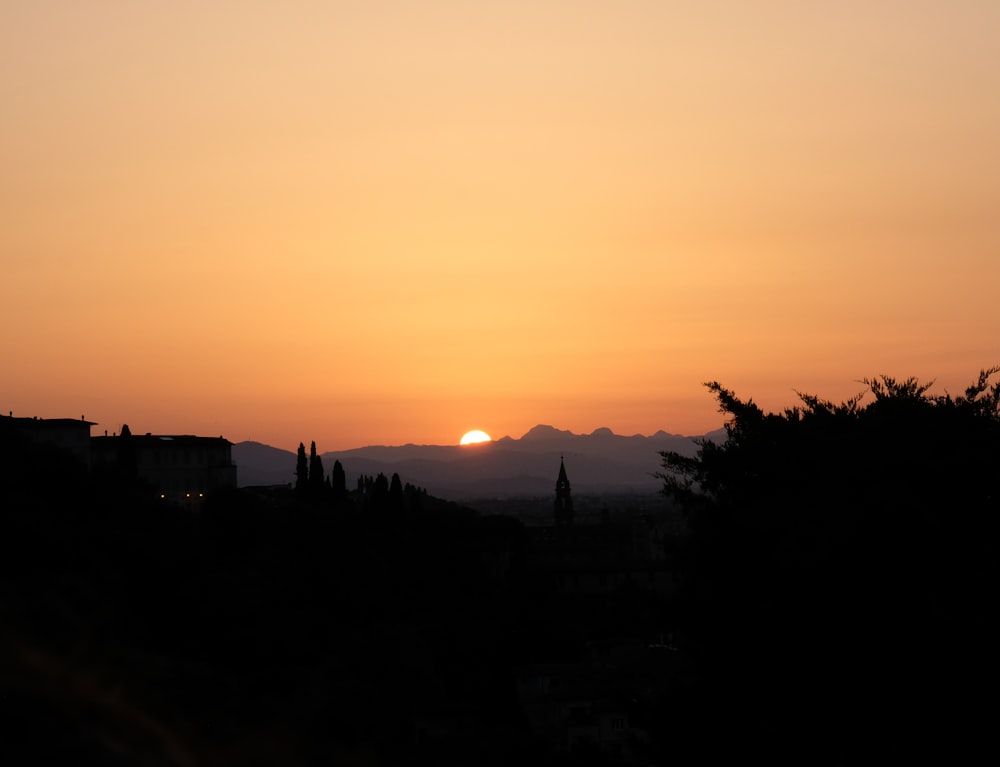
(475, 437)
(375, 223)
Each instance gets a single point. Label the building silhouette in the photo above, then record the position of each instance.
(180, 468)
(67, 434)
(564, 501)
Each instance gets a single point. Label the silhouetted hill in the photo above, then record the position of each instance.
(546, 432)
(259, 464)
(599, 462)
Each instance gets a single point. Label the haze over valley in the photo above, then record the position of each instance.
(599, 462)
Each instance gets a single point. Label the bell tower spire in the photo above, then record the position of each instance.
(564, 502)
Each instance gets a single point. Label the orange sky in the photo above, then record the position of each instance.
(389, 222)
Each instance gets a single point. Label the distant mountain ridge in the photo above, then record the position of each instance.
(599, 462)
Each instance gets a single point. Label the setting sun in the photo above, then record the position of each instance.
(473, 437)
(517, 211)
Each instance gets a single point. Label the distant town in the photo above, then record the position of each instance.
(548, 695)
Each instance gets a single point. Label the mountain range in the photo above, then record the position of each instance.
(596, 463)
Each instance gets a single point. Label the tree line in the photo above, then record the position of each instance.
(315, 488)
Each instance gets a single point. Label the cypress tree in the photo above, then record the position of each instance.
(379, 493)
(396, 493)
(301, 470)
(315, 472)
(338, 483)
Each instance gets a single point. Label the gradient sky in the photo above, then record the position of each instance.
(388, 222)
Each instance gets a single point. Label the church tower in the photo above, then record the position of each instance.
(564, 503)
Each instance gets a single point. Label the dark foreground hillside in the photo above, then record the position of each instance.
(825, 597)
(260, 629)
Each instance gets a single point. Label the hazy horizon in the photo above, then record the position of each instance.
(494, 439)
(395, 222)
(99, 429)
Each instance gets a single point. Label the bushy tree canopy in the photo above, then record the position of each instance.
(843, 556)
(901, 435)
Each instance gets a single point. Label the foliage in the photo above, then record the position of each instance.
(898, 436)
(316, 473)
(836, 547)
(338, 486)
(301, 470)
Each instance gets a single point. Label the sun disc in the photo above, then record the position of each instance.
(475, 436)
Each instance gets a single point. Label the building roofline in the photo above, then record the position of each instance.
(12, 419)
(164, 439)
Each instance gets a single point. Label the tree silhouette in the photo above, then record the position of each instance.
(301, 470)
(126, 458)
(316, 475)
(836, 548)
(338, 485)
(396, 494)
(377, 492)
(414, 498)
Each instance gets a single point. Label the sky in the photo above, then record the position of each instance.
(391, 222)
